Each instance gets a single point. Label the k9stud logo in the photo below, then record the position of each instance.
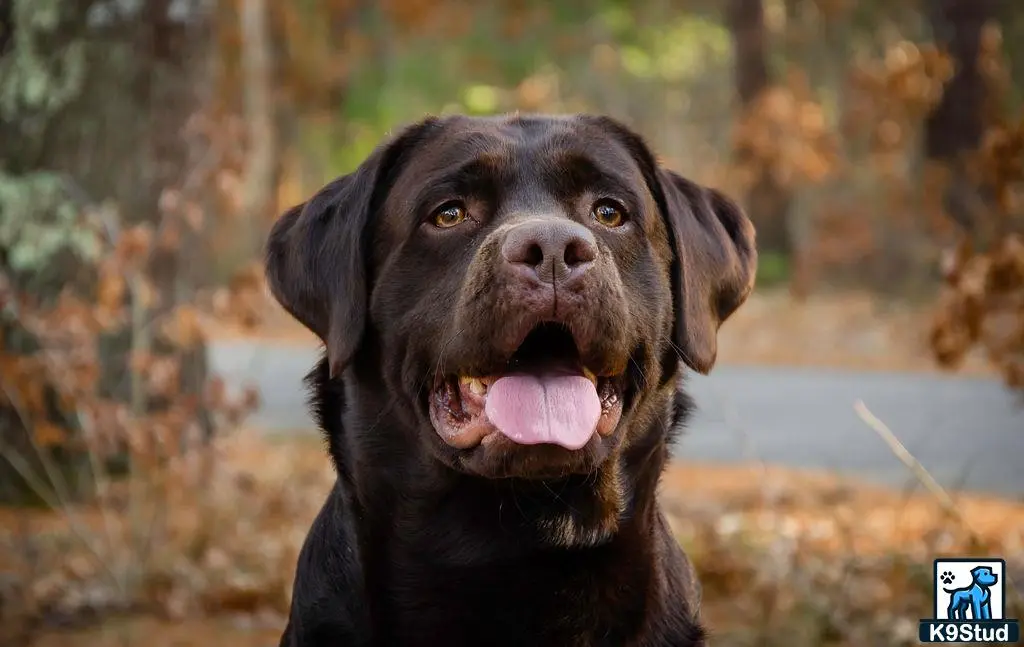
(969, 607)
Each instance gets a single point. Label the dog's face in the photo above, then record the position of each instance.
(984, 576)
(524, 287)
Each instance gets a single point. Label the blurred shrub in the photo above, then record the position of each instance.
(982, 305)
(982, 302)
(773, 269)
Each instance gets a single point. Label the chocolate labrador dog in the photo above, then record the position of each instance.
(507, 305)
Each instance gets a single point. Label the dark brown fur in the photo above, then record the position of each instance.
(420, 543)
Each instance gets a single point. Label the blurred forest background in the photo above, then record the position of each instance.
(146, 146)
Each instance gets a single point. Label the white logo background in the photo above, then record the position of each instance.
(961, 571)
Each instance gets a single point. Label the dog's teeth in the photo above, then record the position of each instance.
(475, 385)
(587, 373)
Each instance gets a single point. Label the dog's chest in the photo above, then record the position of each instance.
(513, 605)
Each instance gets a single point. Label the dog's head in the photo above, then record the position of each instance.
(983, 576)
(523, 288)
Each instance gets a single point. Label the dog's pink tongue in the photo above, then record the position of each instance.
(559, 409)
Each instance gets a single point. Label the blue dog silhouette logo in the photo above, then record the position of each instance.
(970, 598)
(973, 601)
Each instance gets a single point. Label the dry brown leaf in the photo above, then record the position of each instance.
(183, 327)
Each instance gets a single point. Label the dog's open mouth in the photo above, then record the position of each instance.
(545, 395)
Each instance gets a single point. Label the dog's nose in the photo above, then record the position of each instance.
(554, 251)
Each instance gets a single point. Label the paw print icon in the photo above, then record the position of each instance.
(946, 577)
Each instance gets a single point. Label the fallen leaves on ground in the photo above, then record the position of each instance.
(833, 514)
(219, 558)
(212, 532)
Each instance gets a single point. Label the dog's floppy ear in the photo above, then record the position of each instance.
(316, 264)
(716, 263)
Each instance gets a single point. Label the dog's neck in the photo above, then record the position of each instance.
(506, 516)
(516, 515)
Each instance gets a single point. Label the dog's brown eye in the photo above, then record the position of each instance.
(449, 215)
(608, 214)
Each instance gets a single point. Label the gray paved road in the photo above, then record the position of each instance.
(967, 432)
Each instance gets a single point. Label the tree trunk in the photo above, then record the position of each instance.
(767, 202)
(258, 188)
(954, 128)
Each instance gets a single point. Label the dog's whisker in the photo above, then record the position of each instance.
(501, 522)
(681, 353)
(515, 501)
(643, 374)
(559, 498)
(439, 368)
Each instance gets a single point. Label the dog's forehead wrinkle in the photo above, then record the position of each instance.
(534, 130)
(607, 143)
(572, 171)
(457, 148)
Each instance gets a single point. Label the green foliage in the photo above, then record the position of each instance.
(40, 75)
(678, 51)
(660, 53)
(38, 221)
(43, 72)
(773, 269)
